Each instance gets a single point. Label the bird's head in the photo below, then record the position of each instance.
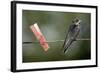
(76, 21)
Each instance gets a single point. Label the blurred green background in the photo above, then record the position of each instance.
(54, 26)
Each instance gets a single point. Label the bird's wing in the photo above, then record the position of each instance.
(76, 33)
(70, 37)
(67, 36)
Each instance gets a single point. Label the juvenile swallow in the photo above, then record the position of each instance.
(72, 34)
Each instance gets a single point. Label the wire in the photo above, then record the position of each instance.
(81, 39)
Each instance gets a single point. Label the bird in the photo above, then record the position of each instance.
(73, 32)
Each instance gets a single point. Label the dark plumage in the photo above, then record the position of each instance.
(72, 34)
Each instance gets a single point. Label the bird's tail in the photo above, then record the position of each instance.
(67, 45)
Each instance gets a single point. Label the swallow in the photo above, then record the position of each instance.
(72, 34)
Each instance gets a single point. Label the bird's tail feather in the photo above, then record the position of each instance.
(69, 42)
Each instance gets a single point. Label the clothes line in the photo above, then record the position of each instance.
(79, 39)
